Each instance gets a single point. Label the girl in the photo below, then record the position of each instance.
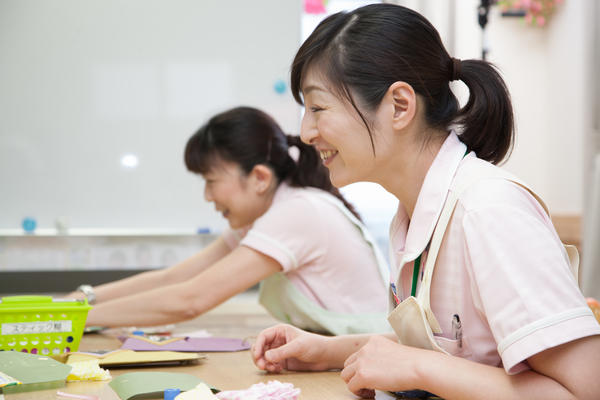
(500, 316)
(291, 230)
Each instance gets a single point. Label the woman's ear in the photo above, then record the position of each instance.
(261, 177)
(403, 100)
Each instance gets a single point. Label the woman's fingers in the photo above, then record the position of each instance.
(267, 340)
(265, 337)
(348, 371)
(292, 349)
(356, 382)
(351, 359)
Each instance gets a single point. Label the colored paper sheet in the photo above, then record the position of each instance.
(135, 358)
(151, 385)
(208, 344)
(35, 372)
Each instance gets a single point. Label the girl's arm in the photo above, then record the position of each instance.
(152, 279)
(174, 302)
(568, 371)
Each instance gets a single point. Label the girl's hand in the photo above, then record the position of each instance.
(381, 364)
(286, 347)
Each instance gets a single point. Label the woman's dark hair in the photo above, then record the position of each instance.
(247, 137)
(364, 51)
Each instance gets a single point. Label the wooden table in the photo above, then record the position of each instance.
(226, 371)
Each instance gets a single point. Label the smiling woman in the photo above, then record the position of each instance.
(290, 229)
(494, 300)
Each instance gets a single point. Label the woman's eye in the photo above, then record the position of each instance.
(316, 108)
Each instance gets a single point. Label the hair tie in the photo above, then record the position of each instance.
(455, 74)
(294, 152)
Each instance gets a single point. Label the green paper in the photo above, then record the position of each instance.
(35, 372)
(151, 385)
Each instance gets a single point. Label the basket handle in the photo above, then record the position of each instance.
(26, 299)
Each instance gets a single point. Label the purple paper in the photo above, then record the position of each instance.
(186, 344)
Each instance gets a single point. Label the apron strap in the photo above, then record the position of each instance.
(382, 264)
(423, 297)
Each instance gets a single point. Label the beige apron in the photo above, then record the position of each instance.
(412, 320)
(285, 302)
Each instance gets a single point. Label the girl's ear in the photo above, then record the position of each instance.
(403, 100)
(261, 177)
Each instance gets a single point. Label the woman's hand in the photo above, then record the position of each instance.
(381, 364)
(286, 347)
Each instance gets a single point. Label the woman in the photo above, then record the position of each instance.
(501, 315)
(291, 230)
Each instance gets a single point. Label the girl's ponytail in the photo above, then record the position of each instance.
(247, 137)
(487, 118)
(308, 170)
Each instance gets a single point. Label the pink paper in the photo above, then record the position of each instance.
(273, 390)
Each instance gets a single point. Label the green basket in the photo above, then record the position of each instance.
(41, 324)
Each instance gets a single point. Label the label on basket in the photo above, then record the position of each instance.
(19, 328)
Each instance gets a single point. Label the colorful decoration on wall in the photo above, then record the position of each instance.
(535, 12)
(315, 6)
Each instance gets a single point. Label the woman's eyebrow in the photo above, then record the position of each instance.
(306, 90)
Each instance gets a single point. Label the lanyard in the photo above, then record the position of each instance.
(415, 278)
(416, 270)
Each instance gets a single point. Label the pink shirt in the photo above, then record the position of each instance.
(501, 266)
(319, 249)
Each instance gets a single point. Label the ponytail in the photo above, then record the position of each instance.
(364, 51)
(308, 170)
(487, 118)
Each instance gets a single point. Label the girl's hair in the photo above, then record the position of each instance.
(364, 51)
(247, 137)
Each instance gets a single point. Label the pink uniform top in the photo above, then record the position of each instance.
(319, 249)
(501, 266)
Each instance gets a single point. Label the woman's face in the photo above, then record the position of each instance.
(233, 194)
(338, 133)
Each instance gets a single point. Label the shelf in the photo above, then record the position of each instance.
(83, 232)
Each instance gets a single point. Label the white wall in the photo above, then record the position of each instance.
(552, 75)
(546, 72)
(83, 82)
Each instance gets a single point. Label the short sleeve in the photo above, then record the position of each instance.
(291, 231)
(233, 237)
(522, 277)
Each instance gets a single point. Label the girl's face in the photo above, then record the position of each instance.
(338, 133)
(234, 194)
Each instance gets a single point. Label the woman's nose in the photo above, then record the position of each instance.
(207, 193)
(308, 130)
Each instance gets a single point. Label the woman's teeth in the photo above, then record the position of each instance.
(326, 154)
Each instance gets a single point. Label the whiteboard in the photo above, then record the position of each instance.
(83, 83)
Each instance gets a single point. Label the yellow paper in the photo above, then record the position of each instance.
(88, 370)
(200, 392)
(130, 357)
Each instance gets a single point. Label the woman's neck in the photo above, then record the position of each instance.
(406, 172)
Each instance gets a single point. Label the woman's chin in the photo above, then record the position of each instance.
(340, 180)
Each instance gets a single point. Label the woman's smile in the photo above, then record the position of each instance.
(327, 156)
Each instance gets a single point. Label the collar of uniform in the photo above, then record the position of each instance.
(410, 237)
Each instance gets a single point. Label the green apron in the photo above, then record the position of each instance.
(287, 303)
